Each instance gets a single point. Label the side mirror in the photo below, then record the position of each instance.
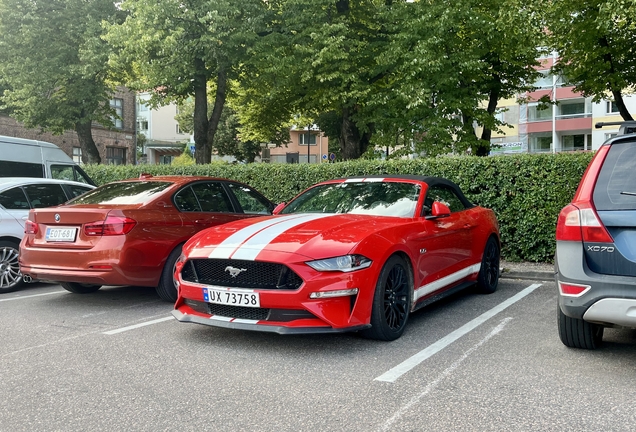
(278, 208)
(439, 210)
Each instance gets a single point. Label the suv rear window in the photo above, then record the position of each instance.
(616, 184)
(123, 193)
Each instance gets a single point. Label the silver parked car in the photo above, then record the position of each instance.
(595, 258)
(18, 195)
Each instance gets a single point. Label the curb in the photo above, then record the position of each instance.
(533, 275)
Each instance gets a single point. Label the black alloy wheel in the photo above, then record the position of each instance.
(392, 301)
(167, 288)
(488, 277)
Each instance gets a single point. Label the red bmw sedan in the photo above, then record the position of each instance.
(130, 232)
(355, 254)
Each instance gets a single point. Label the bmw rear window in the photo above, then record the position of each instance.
(123, 193)
(616, 184)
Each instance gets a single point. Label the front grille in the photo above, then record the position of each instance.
(247, 274)
(260, 314)
(238, 312)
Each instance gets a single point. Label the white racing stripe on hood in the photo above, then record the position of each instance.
(252, 247)
(227, 246)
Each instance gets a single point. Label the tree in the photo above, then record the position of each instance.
(595, 41)
(228, 140)
(379, 70)
(53, 65)
(455, 61)
(319, 56)
(174, 48)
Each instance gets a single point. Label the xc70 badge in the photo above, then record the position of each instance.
(600, 249)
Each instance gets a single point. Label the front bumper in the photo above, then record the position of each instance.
(238, 324)
(611, 300)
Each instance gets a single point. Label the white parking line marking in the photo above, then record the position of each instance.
(31, 296)
(399, 370)
(389, 423)
(136, 326)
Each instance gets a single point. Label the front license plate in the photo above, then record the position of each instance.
(231, 297)
(61, 234)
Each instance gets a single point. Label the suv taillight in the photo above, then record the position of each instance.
(113, 225)
(30, 227)
(581, 224)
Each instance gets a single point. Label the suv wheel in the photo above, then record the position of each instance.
(577, 333)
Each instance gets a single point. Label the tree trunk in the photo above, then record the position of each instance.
(219, 103)
(352, 142)
(90, 154)
(616, 92)
(483, 147)
(201, 143)
(620, 103)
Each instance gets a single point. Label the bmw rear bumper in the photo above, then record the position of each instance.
(610, 301)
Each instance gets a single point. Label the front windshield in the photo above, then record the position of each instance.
(358, 197)
(123, 193)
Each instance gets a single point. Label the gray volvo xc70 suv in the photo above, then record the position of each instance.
(595, 262)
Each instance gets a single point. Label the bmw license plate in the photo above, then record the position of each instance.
(232, 297)
(61, 234)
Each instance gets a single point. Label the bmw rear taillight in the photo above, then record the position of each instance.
(113, 225)
(30, 227)
(581, 224)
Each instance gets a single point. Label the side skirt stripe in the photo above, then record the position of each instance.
(447, 280)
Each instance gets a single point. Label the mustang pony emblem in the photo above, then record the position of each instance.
(234, 272)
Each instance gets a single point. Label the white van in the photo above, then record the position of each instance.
(30, 158)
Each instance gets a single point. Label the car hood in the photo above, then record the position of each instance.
(313, 236)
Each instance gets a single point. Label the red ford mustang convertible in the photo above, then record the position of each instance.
(355, 254)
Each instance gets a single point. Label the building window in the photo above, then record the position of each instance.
(303, 139)
(611, 107)
(573, 142)
(118, 106)
(77, 155)
(142, 107)
(544, 80)
(540, 143)
(572, 109)
(178, 129)
(610, 135)
(142, 125)
(539, 112)
(115, 156)
(166, 159)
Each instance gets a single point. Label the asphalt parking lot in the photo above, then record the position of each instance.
(117, 360)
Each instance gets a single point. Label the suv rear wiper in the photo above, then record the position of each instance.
(628, 193)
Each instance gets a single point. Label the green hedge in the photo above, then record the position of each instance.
(525, 191)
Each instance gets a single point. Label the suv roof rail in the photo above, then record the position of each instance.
(626, 127)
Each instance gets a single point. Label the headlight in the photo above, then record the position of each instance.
(345, 263)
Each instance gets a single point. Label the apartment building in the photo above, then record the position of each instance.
(304, 144)
(164, 139)
(568, 125)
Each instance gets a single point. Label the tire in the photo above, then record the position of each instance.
(167, 288)
(577, 333)
(79, 288)
(391, 301)
(488, 278)
(10, 275)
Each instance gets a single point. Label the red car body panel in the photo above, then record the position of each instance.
(136, 258)
(442, 253)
